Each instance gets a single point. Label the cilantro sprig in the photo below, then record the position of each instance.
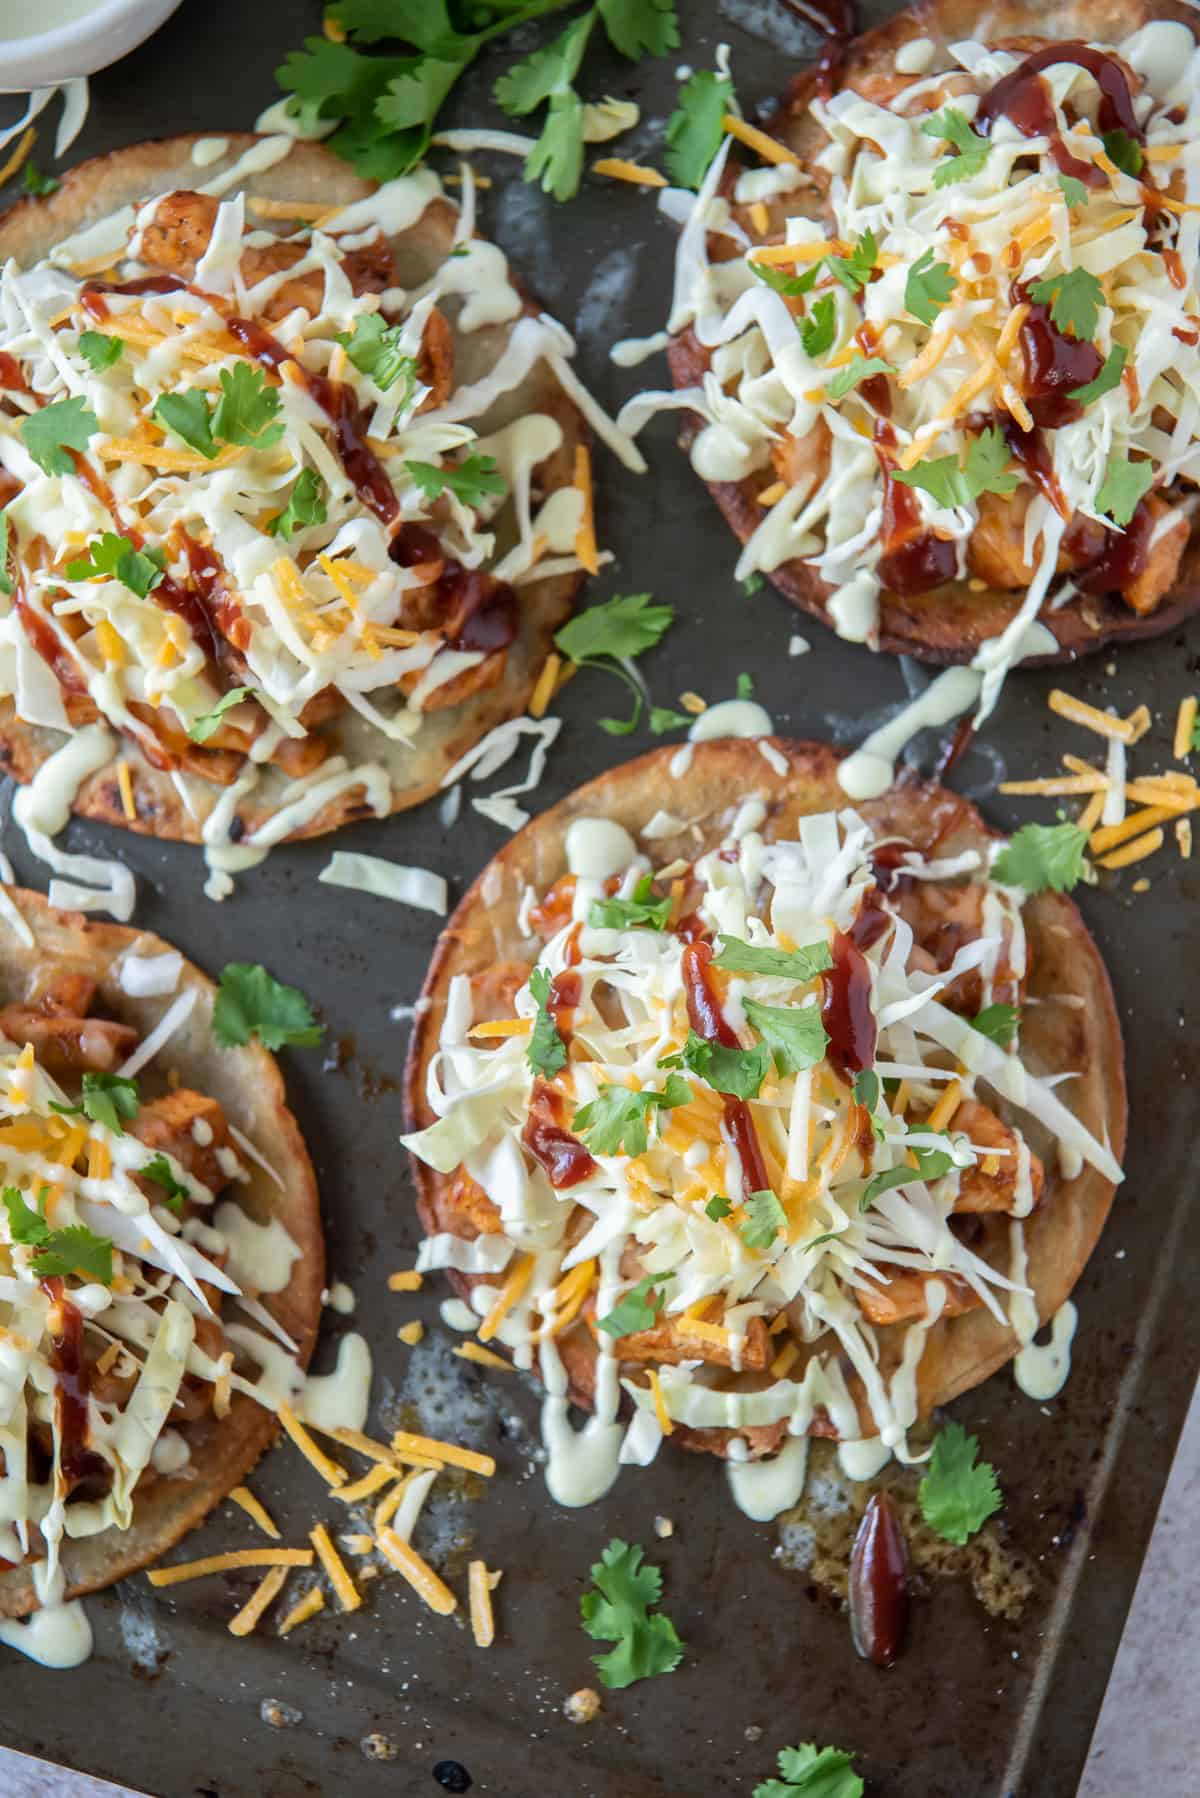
(695, 128)
(928, 287)
(637, 1309)
(1074, 297)
(818, 329)
(305, 507)
(52, 432)
(998, 1023)
(855, 270)
(765, 1217)
(99, 351)
(970, 150)
(189, 416)
(158, 1169)
(737, 957)
(617, 1121)
(859, 368)
(546, 1052)
(34, 182)
(110, 557)
(1109, 377)
(209, 723)
(610, 636)
(1124, 151)
(73, 1250)
(471, 480)
(812, 1772)
(247, 408)
(1043, 857)
(386, 105)
(960, 1492)
(794, 1034)
(738, 1072)
(931, 1165)
(643, 911)
(984, 469)
(108, 1099)
(374, 348)
(1123, 488)
(618, 1609)
(250, 1002)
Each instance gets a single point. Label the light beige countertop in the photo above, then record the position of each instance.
(1145, 1739)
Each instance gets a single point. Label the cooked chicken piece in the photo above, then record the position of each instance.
(1147, 588)
(67, 1045)
(170, 1124)
(177, 235)
(494, 990)
(466, 1204)
(903, 1298)
(66, 995)
(982, 1191)
(943, 919)
(803, 461)
(670, 1342)
(298, 756)
(435, 361)
(996, 551)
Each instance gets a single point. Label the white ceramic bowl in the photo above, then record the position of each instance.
(108, 30)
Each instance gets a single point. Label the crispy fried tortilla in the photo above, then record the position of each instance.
(95, 190)
(1076, 1029)
(248, 1085)
(949, 623)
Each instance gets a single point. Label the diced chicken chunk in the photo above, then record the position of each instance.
(466, 1206)
(66, 1045)
(670, 1341)
(189, 1127)
(904, 1297)
(981, 1189)
(1148, 587)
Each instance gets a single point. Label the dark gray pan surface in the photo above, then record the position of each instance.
(976, 1708)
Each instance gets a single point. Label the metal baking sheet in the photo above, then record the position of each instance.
(979, 1705)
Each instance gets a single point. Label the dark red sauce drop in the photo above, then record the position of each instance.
(846, 1002)
(562, 1157)
(879, 1584)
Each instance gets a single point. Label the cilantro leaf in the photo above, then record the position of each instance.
(1108, 378)
(859, 368)
(744, 686)
(409, 103)
(208, 725)
(972, 150)
(737, 957)
(855, 270)
(189, 416)
(1074, 297)
(959, 1493)
(547, 72)
(765, 1217)
(818, 330)
(246, 407)
(931, 1165)
(556, 160)
(1123, 488)
(663, 719)
(111, 557)
(50, 433)
(618, 1610)
(998, 1023)
(717, 1207)
(158, 1169)
(34, 182)
(636, 1309)
(739, 1072)
(1124, 150)
(866, 1089)
(753, 583)
(425, 23)
(627, 914)
(374, 348)
(306, 506)
(1042, 856)
(929, 286)
(794, 1034)
(984, 470)
(620, 627)
(105, 1099)
(546, 1053)
(6, 583)
(470, 480)
(99, 351)
(617, 1121)
(250, 1003)
(608, 636)
(640, 27)
(1073, 190)
(69, 1251)
(792, 286)
(812, 1772)
(695, 128)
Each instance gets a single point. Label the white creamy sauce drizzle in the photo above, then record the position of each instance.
(339, 1400)
(732, 718)
(863, 1459)
(261, 1256)
(58, 1636)
(762, 1489)
(871, 769)
(1041, 1369)
(628, 352)
(456, 1314)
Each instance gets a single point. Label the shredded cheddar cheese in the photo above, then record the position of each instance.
(411, 1333)
(660, 1404)
(329, 1470)
(229, 1563)
(255, 1509)
(482, 1357)
(373, 1481)
(268, 1589)
(348, 1595)
(769, 148)
(509, 1295)
(406, 1280)
(419, 1574)
(544, 686)
(404, 1443)
(1134, 852)
(619, 170)
(479, 1589)
(304, 1608)
(1185, 724)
